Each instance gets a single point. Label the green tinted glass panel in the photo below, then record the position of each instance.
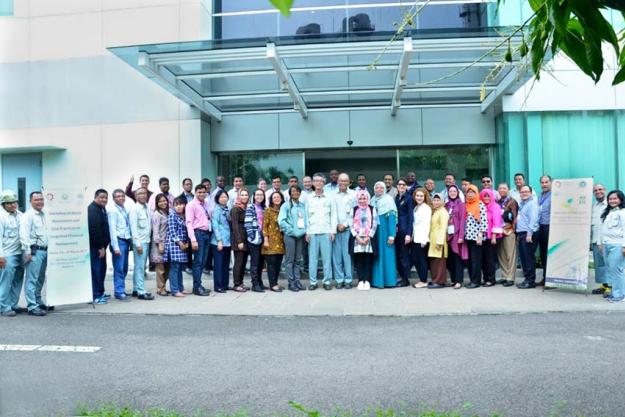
(254, 165)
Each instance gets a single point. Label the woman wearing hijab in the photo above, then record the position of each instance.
(458, 253)
(476, 225)
(363, 224)
(384, 268)
(494, 231)
(422, 219)
(438, 243)
(239, 238)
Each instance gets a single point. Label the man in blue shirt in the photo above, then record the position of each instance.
(526, 227)
(121, 241)
(544, 205)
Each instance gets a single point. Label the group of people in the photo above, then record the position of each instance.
(381, 232)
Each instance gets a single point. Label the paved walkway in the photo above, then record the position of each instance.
(388, 302)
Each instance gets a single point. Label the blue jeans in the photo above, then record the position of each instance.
(199, 257)
(175, 277)
(138, 274)
(98, 273)
(320, 243)
(341, 261)
(221, 269)
(120, 266)
(11, 278)
(35, 277)
(600, 276)
(615, 269)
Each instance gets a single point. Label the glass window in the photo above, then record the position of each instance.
(462, 161)
(6, 7)
(254, 165)
(373, 163)
(447, 16)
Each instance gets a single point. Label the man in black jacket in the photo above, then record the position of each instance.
(99, 239)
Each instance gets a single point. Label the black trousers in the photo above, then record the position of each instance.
(543, 245)
(364, 265)
(402, 257)
(527, 253)
(257, 260)
(455, 266)
(489, 261)
(475, 261)
(238, 269)
(274, 262)
(419, 258)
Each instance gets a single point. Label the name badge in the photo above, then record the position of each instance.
(300, 223)
(451, 229)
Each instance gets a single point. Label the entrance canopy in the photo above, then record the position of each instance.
(423, 68)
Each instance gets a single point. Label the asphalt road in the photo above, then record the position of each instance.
(520, 365)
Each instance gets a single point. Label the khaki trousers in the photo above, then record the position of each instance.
(506, 255)
(162, 273)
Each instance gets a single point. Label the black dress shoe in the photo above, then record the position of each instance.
(599, 290)
(501, 281)
(293, 288)
(327, 287)
(37, 312)
(201, 292)
(508, 283)
(313, 287)
(299, 285)
(348, 286)
(403, 284)
(472, 285)
(46, 308)
(525, 285)
(20, 310)
(338, 285)
(540, 283)
(135, 294)
(220, 290)
(257, 288)
(145, 296)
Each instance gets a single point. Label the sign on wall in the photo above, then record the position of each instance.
(68, 278)
(569, 233)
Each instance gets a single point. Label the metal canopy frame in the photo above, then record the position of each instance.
(209, 78)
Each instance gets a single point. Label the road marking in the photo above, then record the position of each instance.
(50, 348)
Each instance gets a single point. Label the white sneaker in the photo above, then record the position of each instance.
(367, 285)
(361, 285)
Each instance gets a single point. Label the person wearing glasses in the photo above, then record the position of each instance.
(526, 228)
(405, 207)
(487, 182)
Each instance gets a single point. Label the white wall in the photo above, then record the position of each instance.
(61, 88)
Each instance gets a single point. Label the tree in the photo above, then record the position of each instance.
(575, 27)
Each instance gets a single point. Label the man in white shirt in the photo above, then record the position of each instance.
(598, 208)
(519, 182)
(344, 201)
(276, 186)
(361, 184)
(34, 240)
(140, 227)
(237, 184)
(390, 188)
(320, 232)
(11, 262)
(450, 179)
(121, 243)
(333, 185)
(308, 190)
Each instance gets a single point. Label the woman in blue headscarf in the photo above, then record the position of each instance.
(384, 269)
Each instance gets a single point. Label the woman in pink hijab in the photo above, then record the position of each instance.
(494, 231)
(362, 224)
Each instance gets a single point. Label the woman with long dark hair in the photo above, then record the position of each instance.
(254, 220)
(611, 243)
(159, 237)
(273, 240)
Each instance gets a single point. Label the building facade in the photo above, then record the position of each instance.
(94, 91)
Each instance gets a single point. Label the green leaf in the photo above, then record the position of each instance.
(594, 56)
(619, 77)
(593, 21)
(574, 48)
(536, 4)
(537, 53)
(283, 5)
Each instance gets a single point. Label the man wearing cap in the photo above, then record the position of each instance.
(11, 264)
(34, 239)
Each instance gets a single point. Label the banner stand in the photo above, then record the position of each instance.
(569, 235)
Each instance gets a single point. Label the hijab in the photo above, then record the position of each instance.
(493, 213)
(363, 216)
(453, 203)
(473, 203)
(383, 203)
(237, 201)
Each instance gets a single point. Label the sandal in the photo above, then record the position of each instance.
(178, 295)
(457, 286)
(276, 288)
(162, 293)
(240, 288)
(488, 284)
